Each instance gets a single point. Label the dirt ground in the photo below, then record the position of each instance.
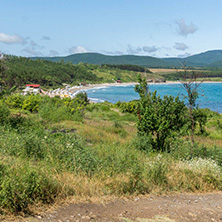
(181, 207)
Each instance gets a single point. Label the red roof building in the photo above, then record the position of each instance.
(33, 85)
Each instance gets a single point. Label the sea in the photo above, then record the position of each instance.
(210, 94)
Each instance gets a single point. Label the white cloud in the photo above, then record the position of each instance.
(11, 39)
(112, 52)
(184, 29)
(77, 49)
(180, 46)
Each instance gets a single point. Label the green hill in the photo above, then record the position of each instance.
(99, 59)
(204, 59)
(18, 71)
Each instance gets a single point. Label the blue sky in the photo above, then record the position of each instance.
(160, 28)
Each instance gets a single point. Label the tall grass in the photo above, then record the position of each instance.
(43, 160)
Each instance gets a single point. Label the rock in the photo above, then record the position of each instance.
(93, 216)
(85, 217)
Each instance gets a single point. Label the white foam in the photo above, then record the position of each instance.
(96, 100)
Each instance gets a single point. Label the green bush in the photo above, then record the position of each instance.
(157, 170)
(51, 113)
(159, 118)
(82, 97)
(32, 146)
(24, 185)
(143, 143)
(15, 101)
(4, 113)
(31, 103)
(68, 151)
(181, 150)
(128, 107)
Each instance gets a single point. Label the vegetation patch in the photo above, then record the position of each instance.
(53, 148)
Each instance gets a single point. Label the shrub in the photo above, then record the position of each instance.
(15, 101)
(68, 151)
(156, 169)
(51, 113)
(160, 118)
(143, 143)
(4, 113)
(82, 97)
(24, 185)
(129, 107)
(31, 103)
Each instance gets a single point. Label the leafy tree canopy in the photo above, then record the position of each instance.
(159, 117)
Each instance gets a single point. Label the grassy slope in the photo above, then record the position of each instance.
(109, 75)
(108, 164)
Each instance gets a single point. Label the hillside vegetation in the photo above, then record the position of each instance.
(206, 59)
(99, 59)
(52, 149)
(18, 71)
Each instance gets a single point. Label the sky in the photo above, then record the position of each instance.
(159, 28)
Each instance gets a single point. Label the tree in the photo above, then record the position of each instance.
(190, 84)
(160, 118)
(3, 69)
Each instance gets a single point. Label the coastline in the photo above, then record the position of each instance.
(68, 91)
(91, 86)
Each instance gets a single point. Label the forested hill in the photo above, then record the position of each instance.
(99, 59)
(18, 71)
(211, 58)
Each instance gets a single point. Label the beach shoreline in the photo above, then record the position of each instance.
(92, 86)
(72, 91)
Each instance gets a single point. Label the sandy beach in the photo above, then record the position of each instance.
(91, 86)
(72, 91)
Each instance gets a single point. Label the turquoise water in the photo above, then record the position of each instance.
(210, 94)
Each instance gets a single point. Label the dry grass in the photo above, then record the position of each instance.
(80, 186)
(208, 142)
(163, 70)
(100, 131)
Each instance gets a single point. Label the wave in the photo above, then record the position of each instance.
(96, 100)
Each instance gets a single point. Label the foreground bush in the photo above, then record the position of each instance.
(4, 113)
(46, 156)
(22, 185)
(159, 118)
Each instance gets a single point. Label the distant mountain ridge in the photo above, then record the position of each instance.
(211, 58)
